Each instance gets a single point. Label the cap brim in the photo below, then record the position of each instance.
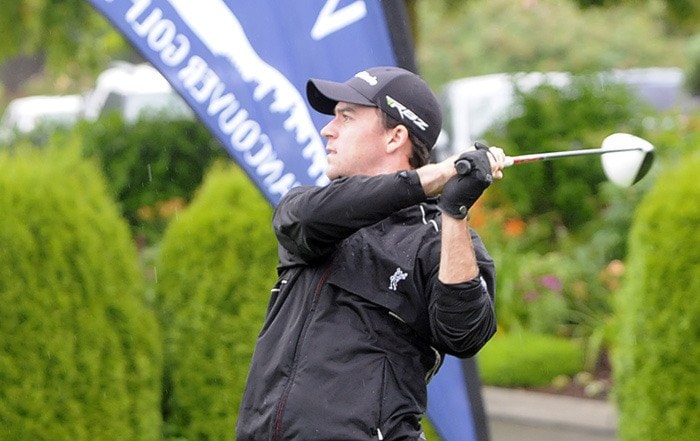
(324, 95)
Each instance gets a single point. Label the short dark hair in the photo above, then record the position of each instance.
(420, 153)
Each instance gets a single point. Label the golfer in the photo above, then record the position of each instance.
(378, 278)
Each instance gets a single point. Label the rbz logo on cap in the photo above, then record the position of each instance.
(406, 112)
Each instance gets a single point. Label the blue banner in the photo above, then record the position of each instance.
(243, 65)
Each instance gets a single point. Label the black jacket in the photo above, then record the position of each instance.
(358, 320)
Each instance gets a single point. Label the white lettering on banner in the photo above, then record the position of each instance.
(331, 19)
(219, 100)
(160, 34)
(219, 29)
(244, 134)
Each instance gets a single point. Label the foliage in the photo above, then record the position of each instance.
(555, 119)
(528, 359)
(454, 38)
(153, 166)
(655, 363)
(675, 14)
(683, 15)
(482, 37)
(80, 355)
(551, 291)
(588, 265)
(216, 266)
(678, 15)
(692, 74)
(75, 39)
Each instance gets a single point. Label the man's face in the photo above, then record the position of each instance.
(356, 141)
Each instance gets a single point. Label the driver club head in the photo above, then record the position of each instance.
(630, 159)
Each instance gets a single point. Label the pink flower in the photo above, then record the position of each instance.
(551, 282)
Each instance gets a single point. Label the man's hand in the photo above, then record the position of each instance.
(462, 191)
(434, 177)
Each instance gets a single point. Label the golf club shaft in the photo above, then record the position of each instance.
(512, 160)
(464, 167)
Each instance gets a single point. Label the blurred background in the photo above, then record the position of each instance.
(135, 258)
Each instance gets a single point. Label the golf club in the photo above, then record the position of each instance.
(626, 158)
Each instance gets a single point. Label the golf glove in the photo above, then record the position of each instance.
(461, 191)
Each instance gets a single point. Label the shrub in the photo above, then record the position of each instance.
(655, 361)
(80, 356)
(692, 71)
(216, 266)
(528, 359)
(552, 119)
(153, 166)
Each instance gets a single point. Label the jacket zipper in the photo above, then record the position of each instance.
(295, 364)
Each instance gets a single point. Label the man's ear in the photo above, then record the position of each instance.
(398, 138)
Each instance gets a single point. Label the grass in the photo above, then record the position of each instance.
(524, 359)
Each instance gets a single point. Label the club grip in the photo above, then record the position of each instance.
(463, 166)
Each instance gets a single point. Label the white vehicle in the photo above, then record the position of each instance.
(473, 105)
(24, 115)
(134, 91)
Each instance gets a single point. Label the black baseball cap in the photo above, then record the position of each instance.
(400, 93)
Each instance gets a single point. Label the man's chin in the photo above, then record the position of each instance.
(331, 173)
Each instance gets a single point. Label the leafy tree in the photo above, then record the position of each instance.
(81, 355)
(75, 39)
(215, 269)
(681, 14)
(505, 36)
(553, 119)
(655, 360)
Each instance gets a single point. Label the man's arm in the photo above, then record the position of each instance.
(457, 258)
(462, 316)
(310, 221)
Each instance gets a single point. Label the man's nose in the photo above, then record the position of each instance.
(328, 131)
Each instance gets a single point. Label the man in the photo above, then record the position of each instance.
(377, 281)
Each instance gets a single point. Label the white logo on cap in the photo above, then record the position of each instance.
(364, 75)
(406, 112)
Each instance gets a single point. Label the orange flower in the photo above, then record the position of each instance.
(145, 213)
(514, 227)
(167, 209)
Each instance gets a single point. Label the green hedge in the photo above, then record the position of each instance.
(527, 359)
(80, 355)
(153, 166)
(692, 71)
(656, 361)
(216, 267)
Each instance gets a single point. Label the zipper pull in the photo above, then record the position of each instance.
(380, 437)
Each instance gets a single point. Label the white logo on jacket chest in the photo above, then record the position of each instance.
(396, 278)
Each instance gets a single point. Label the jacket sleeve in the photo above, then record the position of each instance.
(309, 222)
(462, 316)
